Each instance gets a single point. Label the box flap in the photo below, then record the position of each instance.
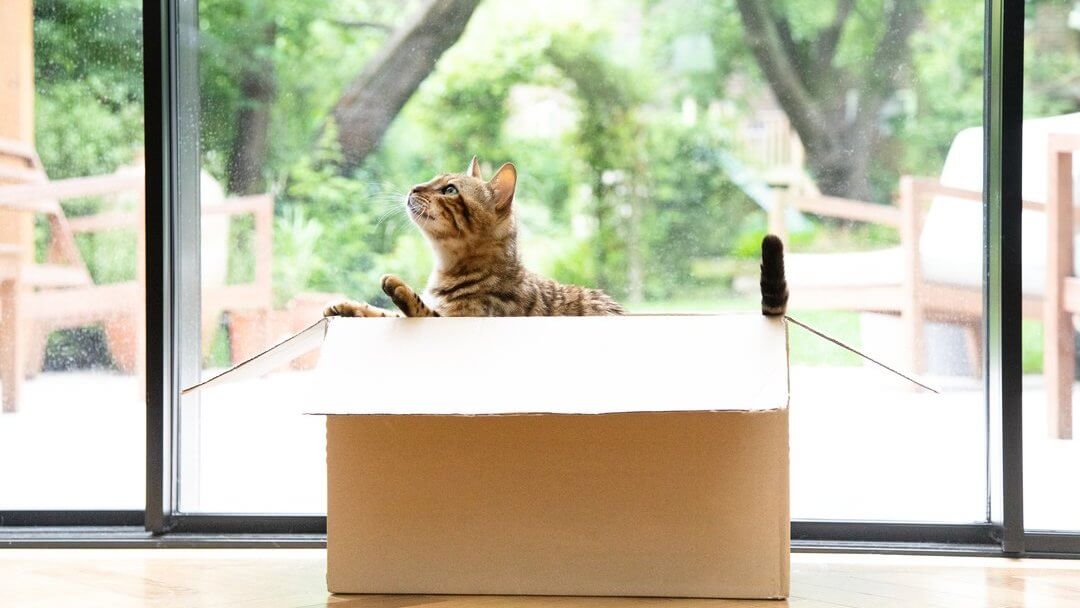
(534, 365)
(570, 365)
(270, 359)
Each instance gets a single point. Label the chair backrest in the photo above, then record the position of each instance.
(20, 164)
(951, 242)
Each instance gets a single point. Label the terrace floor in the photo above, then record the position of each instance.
(863, 446)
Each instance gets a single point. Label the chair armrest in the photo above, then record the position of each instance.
(102, 222)
(847, 209)
(41, 197)
(928, 186)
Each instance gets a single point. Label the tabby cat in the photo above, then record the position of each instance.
(470, 226)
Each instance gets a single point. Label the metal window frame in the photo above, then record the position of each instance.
(171, 215)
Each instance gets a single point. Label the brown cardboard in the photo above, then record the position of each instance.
(687, 504)
(632, 456)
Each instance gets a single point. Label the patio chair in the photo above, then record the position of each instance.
(935, 274)
(37, 298)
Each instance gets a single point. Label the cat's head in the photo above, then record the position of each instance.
(462, 207)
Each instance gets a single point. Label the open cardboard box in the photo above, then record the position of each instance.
(624, 456)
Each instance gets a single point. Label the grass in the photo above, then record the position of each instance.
(806, 348)
(1031, 340)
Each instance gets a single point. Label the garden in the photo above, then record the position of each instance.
(644, 130)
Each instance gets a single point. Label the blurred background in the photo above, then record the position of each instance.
(657, 141)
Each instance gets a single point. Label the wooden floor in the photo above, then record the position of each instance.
(121, 578)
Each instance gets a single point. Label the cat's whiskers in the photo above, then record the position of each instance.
(389, 202)
(392, 212)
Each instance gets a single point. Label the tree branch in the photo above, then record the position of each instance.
(772, 54)
(375, 25)
(879, 81)
(825, 48)
(372, 100)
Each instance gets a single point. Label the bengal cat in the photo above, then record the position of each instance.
(470, 226)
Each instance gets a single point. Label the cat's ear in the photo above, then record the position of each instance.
(474, 169)
(503, 184)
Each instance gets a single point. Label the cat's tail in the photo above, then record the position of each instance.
(774, 291)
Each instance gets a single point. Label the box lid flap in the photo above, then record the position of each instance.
(270, 359)
(523, 365)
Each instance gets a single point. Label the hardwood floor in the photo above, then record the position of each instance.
(167, 578)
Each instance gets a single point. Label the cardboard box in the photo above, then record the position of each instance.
(624, 456)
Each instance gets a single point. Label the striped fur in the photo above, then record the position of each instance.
(774, 290)
(470, 226)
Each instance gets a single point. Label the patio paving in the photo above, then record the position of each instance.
(863, 447)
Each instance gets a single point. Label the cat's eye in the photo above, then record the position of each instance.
(449, 189)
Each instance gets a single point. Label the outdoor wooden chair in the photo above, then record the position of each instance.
(37, 298)
(895, 280)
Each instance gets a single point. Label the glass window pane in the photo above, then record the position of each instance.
(71, 303)
(1051, 127)
(655, 144)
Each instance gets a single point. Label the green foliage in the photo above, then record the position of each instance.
(78, 348)
(88, 72)
(947, 85)
(630, 194)
(337, 208)
(300, 50)
(296, 239)
(693, 209)
(1031, 341)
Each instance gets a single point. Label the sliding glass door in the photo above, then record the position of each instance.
(655, 143)
(71, 282)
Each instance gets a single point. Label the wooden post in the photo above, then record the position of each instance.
(16, 227)
(1059, 350)
(778, 214)
(17, 70)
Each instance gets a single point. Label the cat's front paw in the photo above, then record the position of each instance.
(391, 283)
(401, 294)
(344, 308)
(352, 308)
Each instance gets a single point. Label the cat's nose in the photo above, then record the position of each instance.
(414, 190)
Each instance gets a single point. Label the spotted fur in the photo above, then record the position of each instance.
(470, 226)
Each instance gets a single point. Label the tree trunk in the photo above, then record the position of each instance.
(370, 103)
(258, 85)
(813, 92)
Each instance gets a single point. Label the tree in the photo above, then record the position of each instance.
(835, 106)
(254, 49)
(370, 103)
(258, 86)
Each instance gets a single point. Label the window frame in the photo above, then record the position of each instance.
(170, 66)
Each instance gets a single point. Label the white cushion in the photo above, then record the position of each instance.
(951, 245)
(848, 269)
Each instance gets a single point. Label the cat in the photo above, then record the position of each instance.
(471, 228)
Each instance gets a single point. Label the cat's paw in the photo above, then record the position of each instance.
(391, 283)
(344, 308)
(402, 295)
(352, 308)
